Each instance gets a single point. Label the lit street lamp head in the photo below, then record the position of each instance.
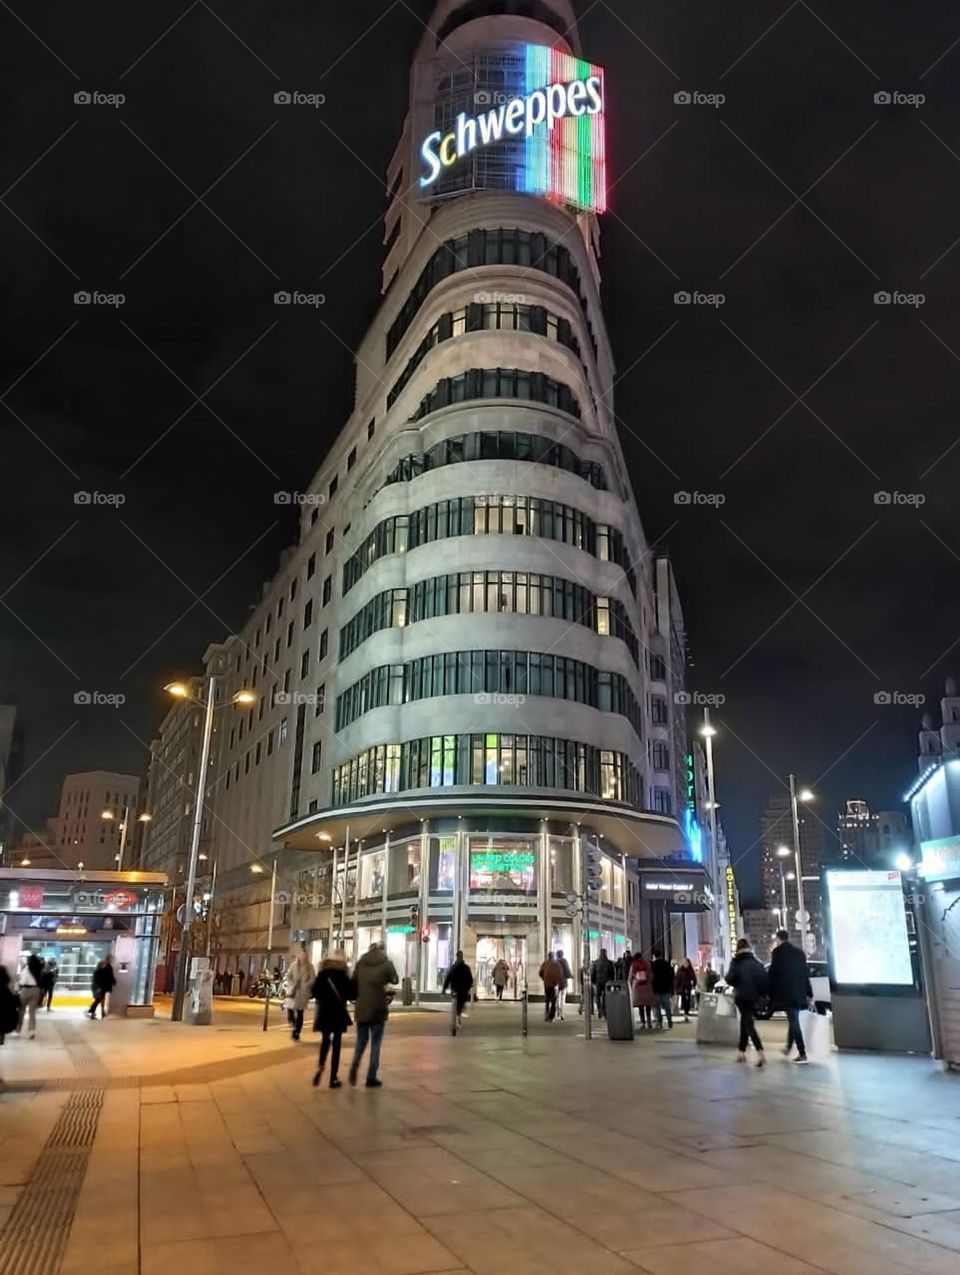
(783, 852)
(244, 698)
(178, 690)
(108, 815)
(708, 731)
(806, 795)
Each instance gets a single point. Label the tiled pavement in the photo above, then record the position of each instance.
(487, 1153)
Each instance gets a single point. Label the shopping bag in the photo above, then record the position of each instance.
(817, 1030)
(726, 1007)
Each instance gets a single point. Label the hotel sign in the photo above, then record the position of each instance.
(732, 907)
(940, 859)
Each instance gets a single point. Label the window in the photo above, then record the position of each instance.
(499, 382)
(304, 664)
(311, 566)
(660, 756)
(315, 758)
(293, 588)
(658, 669)
(498, 445)
(352, 455)
(286, 680)
(324, 642)
(257, 761)
(659, 713)
(320, 698)
(663, 801)
(290, 627)
(334, 484)
(328, 543)
(370, 430)
(327, 591)
(308, 613)
(314, 516)
(282, 731)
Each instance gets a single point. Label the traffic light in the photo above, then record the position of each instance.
(425, 934)
(593, 868)
(415, 915)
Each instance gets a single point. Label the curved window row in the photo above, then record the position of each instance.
(492, 760)
(500, 592)
(492, 676)
(500, 444)
(497, 316)
(489, 515)
(499, 382)
(495, 247)
(484, 8)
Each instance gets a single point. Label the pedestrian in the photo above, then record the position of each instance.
(372, 977)
(297, 986)
(623, 966)
(551, 975)
(48, 982)
(748, 978)
(331, 990)
(713, 978)
(686, 984)
(701, 972)
(562, 989)
(501, 976)
(102, 984)
(641, 989)
(602, 973)
(9, 1006)
(790, 990)
(459, 980)
(661, 976)
(240, 978)
(31, 972)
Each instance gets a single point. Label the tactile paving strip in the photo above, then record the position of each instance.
(33, 1241)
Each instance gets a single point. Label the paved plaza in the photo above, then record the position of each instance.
(148, 1147)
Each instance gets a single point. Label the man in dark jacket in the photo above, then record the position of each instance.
(748, 979)
(790, 990)
(662, 979)
(562, 989)
(459, 980)
(103, 982)
(373, 974)
(603, 972)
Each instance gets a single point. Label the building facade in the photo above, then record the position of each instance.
(872, 839)
(468, 666)
(11, 750)
(83, 835)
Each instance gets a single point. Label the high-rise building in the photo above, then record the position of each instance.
(10, 757)
(468, 665)
(778, 871)
(870, 839)
(83, 835)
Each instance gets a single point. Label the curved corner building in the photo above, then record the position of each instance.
(504, 650)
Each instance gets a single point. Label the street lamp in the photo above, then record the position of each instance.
(804, 795)
(708, 731)
(242, 698)
(108, 817)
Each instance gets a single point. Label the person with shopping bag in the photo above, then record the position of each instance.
(791, 991)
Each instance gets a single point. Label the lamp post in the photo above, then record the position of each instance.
(803, 795)
(241, 698)
(108, 817)
(708, 732)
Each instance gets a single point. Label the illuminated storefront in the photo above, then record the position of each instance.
(77, 919)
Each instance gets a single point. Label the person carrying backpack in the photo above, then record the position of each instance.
(748, 978)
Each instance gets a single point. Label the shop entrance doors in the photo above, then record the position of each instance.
(492, 948)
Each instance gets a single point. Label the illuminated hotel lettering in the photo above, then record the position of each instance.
(559, 118)
(732, 907)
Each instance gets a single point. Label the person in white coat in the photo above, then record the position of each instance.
(297, 983)
(29, 987)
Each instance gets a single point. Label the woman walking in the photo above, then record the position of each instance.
(686, 986)
(748, 978)
(640, 979)
(501, 975)
(31, 973)
(297, 991)
(332, 988)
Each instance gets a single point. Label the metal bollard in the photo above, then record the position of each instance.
(524, 1002)
(453, 1016)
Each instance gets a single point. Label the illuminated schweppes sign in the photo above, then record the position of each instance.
(557, 123)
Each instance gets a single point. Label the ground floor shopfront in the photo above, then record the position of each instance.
(499, 885)
(78, 919)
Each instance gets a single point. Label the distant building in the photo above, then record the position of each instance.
(10, 755)
(83, 835)
(760, 927)
(870, 840)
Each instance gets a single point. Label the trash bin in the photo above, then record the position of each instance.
(717, 1020)
(619, 1012)
(406, 991)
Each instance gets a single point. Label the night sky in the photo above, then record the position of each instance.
(794, 402)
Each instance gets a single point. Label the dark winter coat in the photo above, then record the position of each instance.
(373, 973)
(104, 980)
(332, 988)
(789, 978)
(662, 973)
(603, 972)
(686, 978)
(459, 979)
(748, 977)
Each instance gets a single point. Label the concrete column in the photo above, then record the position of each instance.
(424, 902)
(386, 882)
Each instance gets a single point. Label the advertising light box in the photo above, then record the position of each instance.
(869, 943)
(526, 118)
